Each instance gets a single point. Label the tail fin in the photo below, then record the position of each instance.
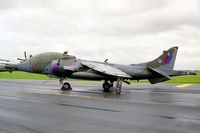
(166, 60)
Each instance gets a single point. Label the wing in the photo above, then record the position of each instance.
(106, 69)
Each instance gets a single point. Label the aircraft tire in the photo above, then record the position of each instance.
(106, 87)
(66, 86)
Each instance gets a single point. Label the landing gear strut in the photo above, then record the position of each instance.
(65, 86)
(119, 85)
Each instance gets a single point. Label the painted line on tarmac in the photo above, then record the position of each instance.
(72, 95)
(193, 88)
(60, 94)
(183, 85)
(118, 100)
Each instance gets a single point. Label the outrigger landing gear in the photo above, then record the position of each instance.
(65, 86)
(107, 86)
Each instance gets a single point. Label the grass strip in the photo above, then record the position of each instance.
(24, 75)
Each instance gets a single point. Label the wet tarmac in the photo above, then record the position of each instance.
(38, 106)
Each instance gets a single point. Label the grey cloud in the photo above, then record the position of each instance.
(6, 4)
(125, 31)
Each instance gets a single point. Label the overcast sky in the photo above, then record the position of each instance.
(124, 31)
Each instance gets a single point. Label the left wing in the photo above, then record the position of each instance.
(106, 69)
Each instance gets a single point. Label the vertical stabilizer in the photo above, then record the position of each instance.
(166, 60)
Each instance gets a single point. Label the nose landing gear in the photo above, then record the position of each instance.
(65, 86)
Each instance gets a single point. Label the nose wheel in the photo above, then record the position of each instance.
(65, 86)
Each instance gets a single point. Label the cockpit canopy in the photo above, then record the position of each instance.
(48, 57)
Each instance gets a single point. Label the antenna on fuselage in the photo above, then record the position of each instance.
(106, 60)
(65, 53)
(22, 60)
(25, 55)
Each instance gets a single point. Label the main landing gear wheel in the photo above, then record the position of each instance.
(106, 86)
(66, 86)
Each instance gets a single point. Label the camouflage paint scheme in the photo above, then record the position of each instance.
(62, 65)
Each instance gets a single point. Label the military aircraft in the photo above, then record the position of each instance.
(63, 66)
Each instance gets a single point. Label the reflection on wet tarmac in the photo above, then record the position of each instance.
(35, 106)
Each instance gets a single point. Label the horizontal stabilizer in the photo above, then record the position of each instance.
(179, 73)
(160, 76)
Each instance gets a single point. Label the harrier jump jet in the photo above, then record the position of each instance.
(63, 66)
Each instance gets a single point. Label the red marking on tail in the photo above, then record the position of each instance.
(166, 58)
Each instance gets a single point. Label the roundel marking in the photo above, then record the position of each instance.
(56, 68)
(159, 61)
